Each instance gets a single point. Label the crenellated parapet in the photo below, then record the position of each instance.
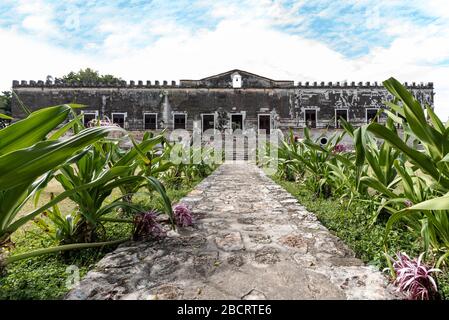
(59, 83)
(353, 84)
(219, 81)
(198, 84)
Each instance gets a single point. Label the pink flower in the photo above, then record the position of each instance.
(146, 226)
(340, 148)
(414, 278)
(183, 215)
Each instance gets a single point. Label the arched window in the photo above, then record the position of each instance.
(236, 80)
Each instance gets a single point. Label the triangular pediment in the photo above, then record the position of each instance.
(249, 80)
(230, 73)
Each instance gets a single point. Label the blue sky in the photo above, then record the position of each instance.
(320, 40)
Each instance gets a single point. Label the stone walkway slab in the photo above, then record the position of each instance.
(251, 240)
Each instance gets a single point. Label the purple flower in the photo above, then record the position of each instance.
(339, 148)
(183, 215)
(147, 227)
(408, 203)
(414, 278)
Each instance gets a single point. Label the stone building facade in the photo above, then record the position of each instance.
(234, 99)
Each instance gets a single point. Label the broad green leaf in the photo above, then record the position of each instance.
(435, 120)
(378, 186)
(426, 164)
(24, 165)
(61, 131)
(441, 203)
(5, 117)
(34, 128)
(359, 142)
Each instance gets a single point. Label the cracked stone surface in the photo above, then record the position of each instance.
(251, 240)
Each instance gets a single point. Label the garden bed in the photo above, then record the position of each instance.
(352, 226)
(45, 277)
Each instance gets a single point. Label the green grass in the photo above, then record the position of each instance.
(44, 277)
(353, 225)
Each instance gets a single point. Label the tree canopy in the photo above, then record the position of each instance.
(5, 102)
(89, 75)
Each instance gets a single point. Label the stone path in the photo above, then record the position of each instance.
(252, 240)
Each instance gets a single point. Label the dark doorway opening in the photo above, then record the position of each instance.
(264, 123)
(150, 121)
(119, 118)
(311, 118)
(88, 117)
(340, 114)
(371, 115)
(208, 122)
(179, 121)
(237, 121)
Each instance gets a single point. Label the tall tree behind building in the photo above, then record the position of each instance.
(89, 75)
(5, 102)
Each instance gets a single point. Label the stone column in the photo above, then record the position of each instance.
(166, 112)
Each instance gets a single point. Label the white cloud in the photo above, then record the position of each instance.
(27, 58)
(245, 40)
(38, 18)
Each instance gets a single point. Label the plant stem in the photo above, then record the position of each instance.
(66, 247)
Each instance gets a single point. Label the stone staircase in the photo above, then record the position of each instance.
(237, 150)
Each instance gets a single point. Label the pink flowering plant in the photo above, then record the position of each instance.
(147, 227)
(414, 278)
(340, 148)
(183, 215)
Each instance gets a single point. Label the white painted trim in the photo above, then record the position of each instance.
(144, 114)
(237, 113)
(316, 116)
(202, 120)
(366, 114)
(258, 120)
(178, 113)
(335, 115)
(125, 115)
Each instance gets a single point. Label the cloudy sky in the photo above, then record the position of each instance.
(319, 40)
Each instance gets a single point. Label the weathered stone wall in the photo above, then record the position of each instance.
(284, 101)
(135, 102)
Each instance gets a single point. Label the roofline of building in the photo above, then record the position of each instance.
(173, 84)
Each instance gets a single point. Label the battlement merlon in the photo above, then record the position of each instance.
(203, 84)
(118, 84)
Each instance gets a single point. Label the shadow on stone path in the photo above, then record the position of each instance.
(252, 240)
